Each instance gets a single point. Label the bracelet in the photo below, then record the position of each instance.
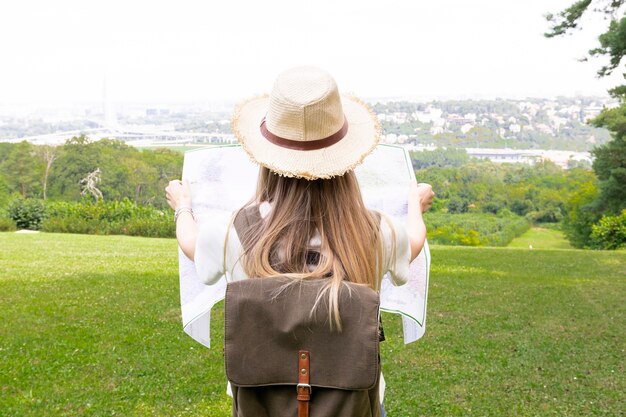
(182, 210)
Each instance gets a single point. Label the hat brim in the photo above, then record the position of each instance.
(362, 137)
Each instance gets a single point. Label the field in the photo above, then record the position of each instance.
(91, 327)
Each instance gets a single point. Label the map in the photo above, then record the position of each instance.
(222, 179)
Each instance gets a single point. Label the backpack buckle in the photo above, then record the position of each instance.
(304, 386)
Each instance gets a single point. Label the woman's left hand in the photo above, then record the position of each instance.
(178, 194)
(422, 194)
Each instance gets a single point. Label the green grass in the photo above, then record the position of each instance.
(541, 238)
(91, 326)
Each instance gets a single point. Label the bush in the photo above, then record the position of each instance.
(457, 205)
(548, 215)
(27, 213)
(111, 211)
(494, 206)
(74, 225)
(610, 232)
(474, 229)
(107, 218)
(522, 207)
(6, 224)
(581, 214)
(163, 227)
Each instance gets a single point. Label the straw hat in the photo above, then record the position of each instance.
(305, 128)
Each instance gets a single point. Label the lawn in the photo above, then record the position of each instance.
(91, 327)
(541, 238)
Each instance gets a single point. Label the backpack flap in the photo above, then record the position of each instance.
(269, 320)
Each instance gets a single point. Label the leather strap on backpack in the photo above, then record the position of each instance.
(303, 388)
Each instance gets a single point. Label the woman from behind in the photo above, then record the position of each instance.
(307, 219)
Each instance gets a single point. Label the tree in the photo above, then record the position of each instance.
(581, 215)
(612, 42)
(439, 157)
(72, 165)
(22, 170)
(610, 158)
(89, 184)
(4, 192)
(610, 161)
(48, 154)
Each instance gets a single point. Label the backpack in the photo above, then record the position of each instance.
(282, 358)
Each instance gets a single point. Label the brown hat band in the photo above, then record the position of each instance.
(309, 145)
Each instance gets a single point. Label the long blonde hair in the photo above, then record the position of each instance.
(351, 245)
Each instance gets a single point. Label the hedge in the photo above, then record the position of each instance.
(127, 218)
(123, 217)
(474, 229)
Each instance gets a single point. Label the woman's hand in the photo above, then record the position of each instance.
(422, 194)
(420, 199)
(178, 194)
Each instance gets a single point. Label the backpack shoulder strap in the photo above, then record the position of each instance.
(246, 220)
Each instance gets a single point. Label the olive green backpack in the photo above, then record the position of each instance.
(283, 359)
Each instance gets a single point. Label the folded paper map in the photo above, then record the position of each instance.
(222, 179)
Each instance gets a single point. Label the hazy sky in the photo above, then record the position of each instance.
(207, 50)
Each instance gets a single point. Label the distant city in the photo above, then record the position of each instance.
(502, 130)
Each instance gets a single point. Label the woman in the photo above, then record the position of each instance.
(307, 219)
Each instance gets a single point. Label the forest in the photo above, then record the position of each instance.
(108, 187)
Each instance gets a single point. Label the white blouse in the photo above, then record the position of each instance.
(214, 234)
